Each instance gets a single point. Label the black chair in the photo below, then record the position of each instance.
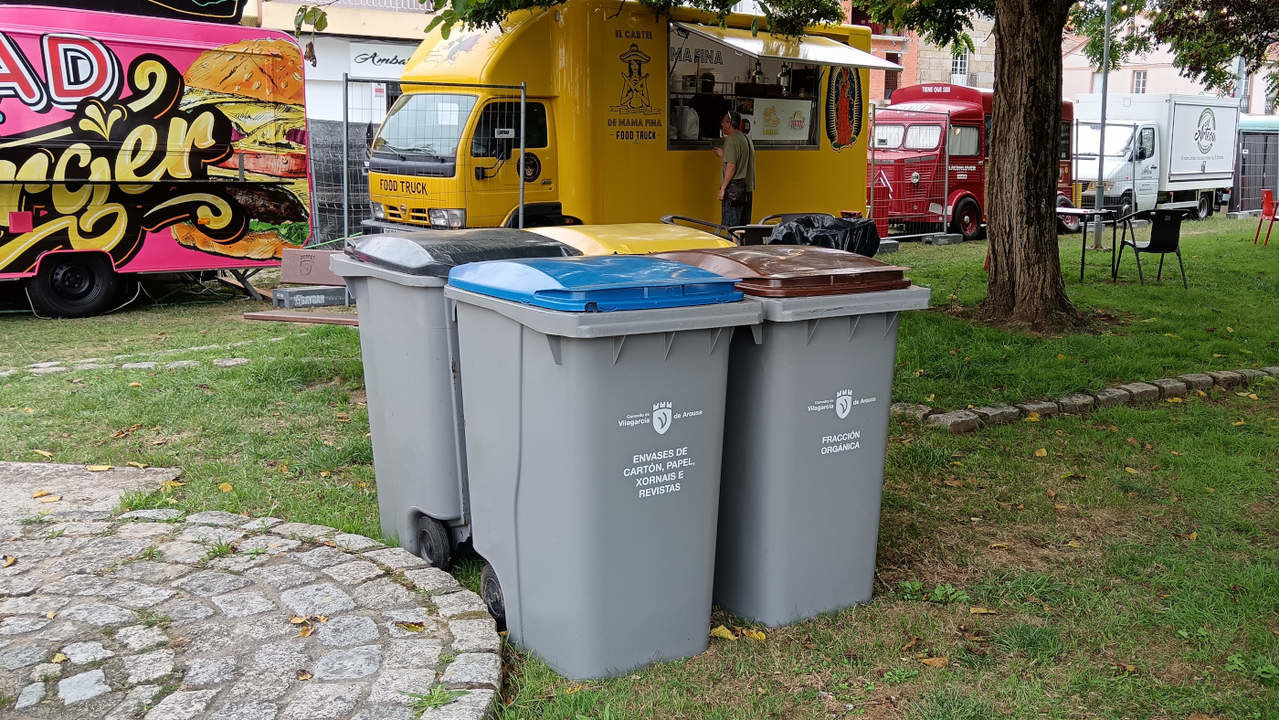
(1165, 237)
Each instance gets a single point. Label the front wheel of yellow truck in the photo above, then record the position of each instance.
(74, 284)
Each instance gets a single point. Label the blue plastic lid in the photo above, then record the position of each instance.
(595, 284)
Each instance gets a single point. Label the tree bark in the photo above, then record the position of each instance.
(1025, 284)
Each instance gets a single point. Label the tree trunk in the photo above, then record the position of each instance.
(1025, 285)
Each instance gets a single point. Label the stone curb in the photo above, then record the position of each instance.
(83, 581)
(1169, 388)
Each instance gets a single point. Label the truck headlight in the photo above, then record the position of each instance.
(379, 211)
(447, 217)
(1107, 187)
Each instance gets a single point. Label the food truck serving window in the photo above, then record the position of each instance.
(424, 124)
(777, 98)
(497, 132)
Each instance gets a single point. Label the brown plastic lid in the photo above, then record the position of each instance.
(795, 270)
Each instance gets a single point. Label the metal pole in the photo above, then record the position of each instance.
(945, 187)
(346, 153)
(870, 208)
(1101, 140)
(523, 105)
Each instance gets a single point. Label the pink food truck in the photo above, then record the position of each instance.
(132, 144)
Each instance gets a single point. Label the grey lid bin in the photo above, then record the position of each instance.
(593, 442)
(808, 406)
(408, 341)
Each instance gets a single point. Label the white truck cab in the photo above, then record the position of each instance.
(1161, 150)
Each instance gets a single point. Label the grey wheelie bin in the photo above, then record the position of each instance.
(807, 428)
(594, 392)
(408, 341)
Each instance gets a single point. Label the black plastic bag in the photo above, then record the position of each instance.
(856, 235)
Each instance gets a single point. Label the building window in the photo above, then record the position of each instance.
(892, 78)
(1139, 81)
(959, 69)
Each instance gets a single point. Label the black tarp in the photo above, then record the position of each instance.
(856, 235)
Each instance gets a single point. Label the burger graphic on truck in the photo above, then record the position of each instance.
(257, 84)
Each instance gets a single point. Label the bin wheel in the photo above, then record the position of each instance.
(491, 592)
(433, 543)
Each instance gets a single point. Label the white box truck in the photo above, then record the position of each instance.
(1161, 150)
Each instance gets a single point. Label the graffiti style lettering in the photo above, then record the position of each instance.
(77, 68)
(17, 79)
(117, 168)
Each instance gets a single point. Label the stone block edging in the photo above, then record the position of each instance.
(1168, 388)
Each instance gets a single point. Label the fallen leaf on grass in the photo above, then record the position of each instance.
(304, 675)
(999, 546)
(930, 397)
(297, 619)
(1237, 423)
(1193, 536)
(9, 560)
(1051, 493)
(572, 689)
(40, 493)
(325, 473)
(43, 453)
(98, 468)
(1041, 452)
(1174, 452)
(28, 410)
(755, 635)
(135, 384)
(1074, 544)
(306, 630)
(935, 662)
(170, 484)
(1253, 396)
(1124, 668)
(911, 644)
(59, 658)
(1175, 400)
(138, 465)
(1210, 489)
(953, 483)
(1032, 417)
(1059, 506)
(1131, 470)
(720, 631)
(982, 611)
(1218, 355)
(1201, 393)
(225, 487)
(50, 498)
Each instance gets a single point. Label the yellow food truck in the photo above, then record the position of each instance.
(621, 116)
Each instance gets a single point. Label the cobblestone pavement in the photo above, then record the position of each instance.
(216, 616)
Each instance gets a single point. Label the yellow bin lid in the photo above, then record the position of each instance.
(631, 238)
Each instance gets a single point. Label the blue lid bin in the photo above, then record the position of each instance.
(594, 392)
(408, 341)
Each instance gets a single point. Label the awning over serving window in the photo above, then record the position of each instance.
(810, 49)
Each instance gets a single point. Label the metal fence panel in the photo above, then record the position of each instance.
(907, 174)
(1256, 169)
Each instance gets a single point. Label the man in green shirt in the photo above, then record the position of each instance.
(737, 184)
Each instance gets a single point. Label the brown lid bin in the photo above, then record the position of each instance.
(795, 270)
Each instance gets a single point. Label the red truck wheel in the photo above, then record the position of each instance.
(967, 219)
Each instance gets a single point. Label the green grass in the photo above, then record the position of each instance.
(1132, 571)
(1223, 321)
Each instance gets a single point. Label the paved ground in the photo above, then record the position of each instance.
(222, 617)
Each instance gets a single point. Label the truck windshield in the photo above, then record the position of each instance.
(923, 137)
(889, 136)
(425, 124)
(1088, 138)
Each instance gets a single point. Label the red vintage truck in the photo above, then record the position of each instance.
(911, 191)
